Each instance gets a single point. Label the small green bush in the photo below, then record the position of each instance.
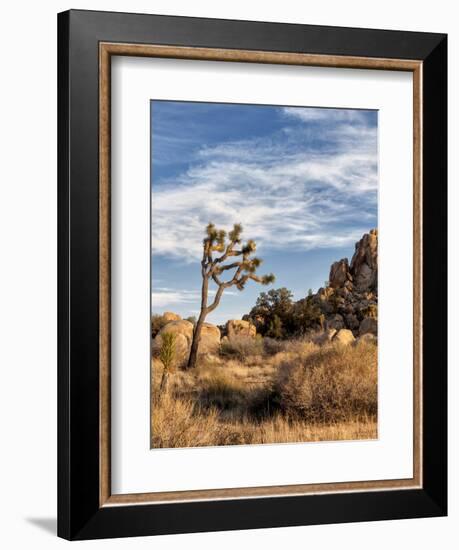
(275, 329)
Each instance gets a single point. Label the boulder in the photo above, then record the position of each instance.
(181, 351)
(348, 285)
(209, 342)
(344, 337)
(369, 325)
(351, 321)
(210, 338)
(179, 327)
(335, 322)
(339, 274)
(170, 316)
(364, 264)
(236, 328)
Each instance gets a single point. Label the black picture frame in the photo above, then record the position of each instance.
(80, 515)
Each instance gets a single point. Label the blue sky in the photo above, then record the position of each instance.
(302, 182)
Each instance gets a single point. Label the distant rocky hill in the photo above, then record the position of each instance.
(350, 299)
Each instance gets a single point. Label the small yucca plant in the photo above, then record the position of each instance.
(167, 356)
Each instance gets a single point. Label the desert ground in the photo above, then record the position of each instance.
(253, 390)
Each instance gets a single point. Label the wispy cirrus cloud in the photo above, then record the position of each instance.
(310, 185)
(164, 297)
(330, 115)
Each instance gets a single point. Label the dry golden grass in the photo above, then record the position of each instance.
(294, 392)
(177, 423)
(242, 348)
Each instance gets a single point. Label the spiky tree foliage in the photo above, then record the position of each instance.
(219, 248)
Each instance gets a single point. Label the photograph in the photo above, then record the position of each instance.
(264, 274)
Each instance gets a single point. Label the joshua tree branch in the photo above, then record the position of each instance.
(228, 266)
(217, 299)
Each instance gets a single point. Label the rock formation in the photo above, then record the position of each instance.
(339, 273)
(364, 264)
(350, 301)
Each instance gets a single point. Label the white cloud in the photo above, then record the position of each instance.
(163, 297)
(309, 114)
(284, 194)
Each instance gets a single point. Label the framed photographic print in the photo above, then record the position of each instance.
(252, 275)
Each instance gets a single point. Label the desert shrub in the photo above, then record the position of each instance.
(276, 303)
(292, 345)
(271, 346)
(370, 311)
(299, 346)
(275, 328)
(157, 323)
(333, 383)
(305, 316)
(242, 347)
(276, 315)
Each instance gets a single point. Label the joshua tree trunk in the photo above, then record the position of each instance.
(195, 344)
(199, 324)
(212, 268)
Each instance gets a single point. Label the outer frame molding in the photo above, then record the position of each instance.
(107, 50)
(84, 476)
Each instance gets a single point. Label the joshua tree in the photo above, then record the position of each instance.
(216, 241)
